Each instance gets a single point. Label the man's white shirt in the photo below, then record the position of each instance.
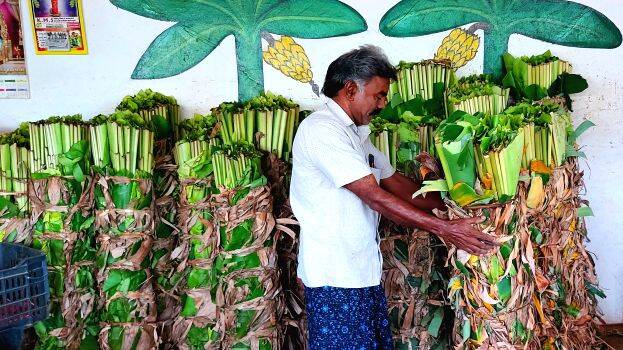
(339, 243)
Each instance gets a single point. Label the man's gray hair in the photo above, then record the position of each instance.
(359, 66)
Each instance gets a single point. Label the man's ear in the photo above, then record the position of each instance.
(351, 90)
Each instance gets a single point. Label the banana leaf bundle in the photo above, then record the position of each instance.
(125, 230)
(14, 173)
(155, 108)
(384, 137)
(248, 294)
(541, 70)
(195, 324)
(546, 130)
(401, 142)
(539, 289)
(415, 135)
(477, 93)
(499, 150)
(422, 78)
(454, 143)
(414, 282)
(60, 198)
(274, 117)
(536, 77)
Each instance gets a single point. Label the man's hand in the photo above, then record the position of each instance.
(461, 233)
(466, 236)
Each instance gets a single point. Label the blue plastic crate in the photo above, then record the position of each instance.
(24, 288)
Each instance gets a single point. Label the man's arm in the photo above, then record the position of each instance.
(461, 232)
(404, 188)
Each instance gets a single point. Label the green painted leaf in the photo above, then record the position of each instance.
(565, 23)
(203, 24)
(422, 17)
(178, 49)
(555, 21)
(313, 19)
(150, 9)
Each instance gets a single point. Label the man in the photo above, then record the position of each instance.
(340, 184)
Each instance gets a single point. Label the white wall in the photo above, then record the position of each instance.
(95, 83)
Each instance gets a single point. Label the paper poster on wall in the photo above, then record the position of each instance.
(58, 27)
(13, 77)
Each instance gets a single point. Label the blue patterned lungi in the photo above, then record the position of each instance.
(347, 319)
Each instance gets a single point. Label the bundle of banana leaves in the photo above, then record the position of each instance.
(546, 129)
(248, 294)
(422, 78)
(384, 137)
(162, 112)
(274, 117)
(539, 289)
(61, 203)
(541, 70)
(534, 78)
(477, 93)
(499, 149)
(123, 196)
(402, 142)
(414, 280)
(415, 136)
(14, 173)
(155, 108)
(195, 324)
(454, 143)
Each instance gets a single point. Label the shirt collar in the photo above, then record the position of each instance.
(338, 111)
(363, 131)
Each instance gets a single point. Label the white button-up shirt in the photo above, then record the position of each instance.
(339, 244)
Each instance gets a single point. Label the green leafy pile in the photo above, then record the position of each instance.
(384, 137)
(274, 117)
(477, 93)
(59, 147)
(422, 79)
(63, 228)
(159, 110)
(14, 172)
(198, 128)
(546, 130)
(499, 149)
(237, 166)
(122, 144)
(534, 78)
(145, 99)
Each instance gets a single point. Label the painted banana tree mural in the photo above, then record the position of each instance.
(556, 21)
(201, 25)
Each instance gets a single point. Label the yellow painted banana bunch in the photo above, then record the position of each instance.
(460, 47)
(289, 57)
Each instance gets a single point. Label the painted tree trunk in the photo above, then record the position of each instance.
(496, 44)
(250, 70)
